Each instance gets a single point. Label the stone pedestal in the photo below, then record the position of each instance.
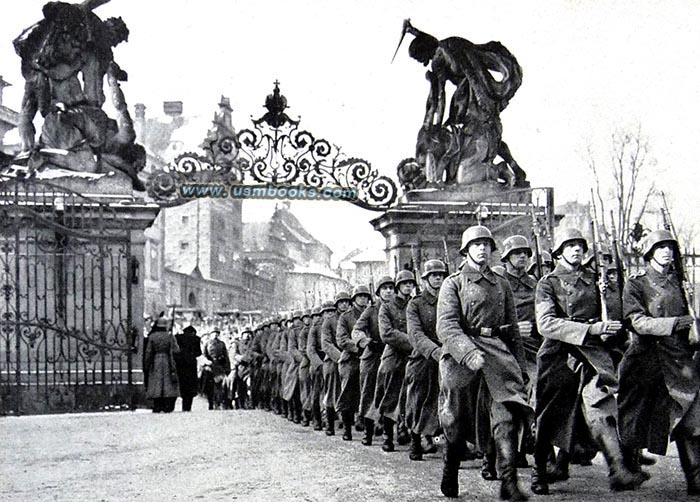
(428, 223)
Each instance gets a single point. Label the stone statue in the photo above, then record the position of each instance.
(463, 148)
(66, 60)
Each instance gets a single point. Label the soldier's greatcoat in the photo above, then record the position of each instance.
(469, 304)
(160, 365)
(367, 327)
(422, 372)
(658, 379)
(316, 357)
(293, 360)
(273, 382)
(304, 373)
(331, 379)
(349, 362)
(523, 288)
(389, 397)
(575, 373)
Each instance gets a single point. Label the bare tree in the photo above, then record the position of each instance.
(623, 188)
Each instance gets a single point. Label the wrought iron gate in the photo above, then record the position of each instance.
(65, 302)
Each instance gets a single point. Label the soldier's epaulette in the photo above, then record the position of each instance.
(639, 273)
(547, 275)
(455, 274)
(499, 272)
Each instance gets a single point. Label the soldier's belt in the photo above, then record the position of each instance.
(493, 332)
(582, 320)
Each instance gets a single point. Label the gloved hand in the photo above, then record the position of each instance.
(436, 354)
(474, 360)
(683, 322)
(525, 328)
(362, 343)
(605, 328)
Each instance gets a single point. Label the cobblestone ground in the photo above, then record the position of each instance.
(245, 455)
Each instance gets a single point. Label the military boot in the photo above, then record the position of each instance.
(403, 437)
(630, 457)
(558, 469)
(488, 463)
(506, 439)
(416, 452)
(620, 478)
(428, 445)
(318, 419)
(539, 484)
(307, 418)
(449, 486)
(689, 455)
(330, 419)
(388, 445)
(347, 417)
(369, 432)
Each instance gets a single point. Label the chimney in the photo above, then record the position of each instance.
(173, 109)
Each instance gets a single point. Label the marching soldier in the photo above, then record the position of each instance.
(659, 380)
(304, 374)
(316, 358)
(273, 373)
(390, 390)
(217, 368)
(331, 379)
(422, 372)
(241, 371)
(257, 391)
(516, 256)
(294, 359)
(545, 262)
(477, 325)
(365, 333)
(575, 371)
(349, 362)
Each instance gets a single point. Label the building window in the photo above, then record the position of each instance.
(185, 220)
(184, 245)
(222, 258)
(153, 262)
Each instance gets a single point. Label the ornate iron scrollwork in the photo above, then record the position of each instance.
(274, 152)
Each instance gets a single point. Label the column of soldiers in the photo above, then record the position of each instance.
(516, 359)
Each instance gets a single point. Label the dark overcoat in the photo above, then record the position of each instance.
(658, 379)
(367, 328)
(476, 311)
(569, 360)
(331, 379)
(422, 372)
(160, 365)
(186, 361)
(349, 362)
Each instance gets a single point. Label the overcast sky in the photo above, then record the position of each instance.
(590, 67)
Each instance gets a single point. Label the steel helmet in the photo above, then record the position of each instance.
(545, 258)
(474, 233)
(360, 290)
(433, 267)
(568, 235)
(655, 238)
(326, 306)
(247, 329)
(316, 311)
(306, 313)
(340, 296)
(384, 280)
(297, 314)
(404, 276)
(514, 243)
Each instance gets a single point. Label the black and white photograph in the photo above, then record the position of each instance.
(397, 250)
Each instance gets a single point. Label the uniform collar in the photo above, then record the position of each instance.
(655, 274)
(476, 275)
(401, 303)
(562, 271)
(429, 297)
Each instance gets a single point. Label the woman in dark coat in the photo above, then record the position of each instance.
(162, 382)
(190, 350)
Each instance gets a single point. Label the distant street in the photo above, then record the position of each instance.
(246, 455)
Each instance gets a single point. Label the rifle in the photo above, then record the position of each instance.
(535, 234)
(602, 276)
(617, 261)
(445, 256)
(414, 264)
(371, 284)
(694, 335)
